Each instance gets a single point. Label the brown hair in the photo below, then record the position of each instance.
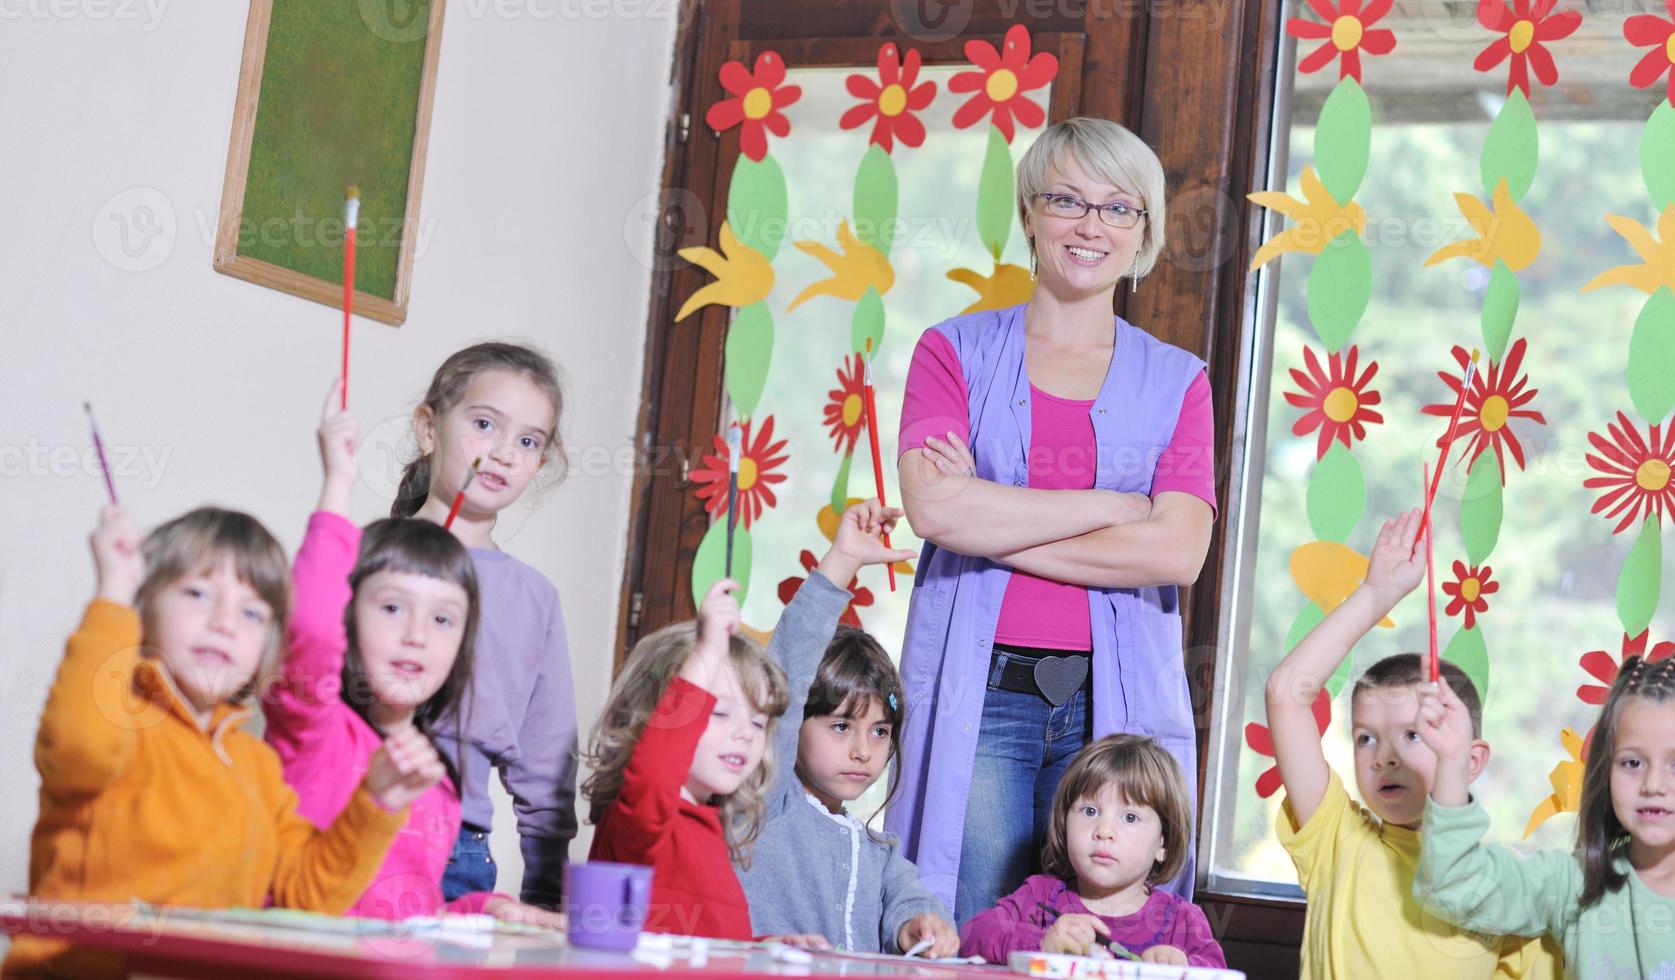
(1599, 834)
(655, 660)
(855, 672)
(204, 538)
(448, 386)
(1145, 775)
(1408, 670)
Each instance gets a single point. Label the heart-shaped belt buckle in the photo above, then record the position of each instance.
(1059, 677)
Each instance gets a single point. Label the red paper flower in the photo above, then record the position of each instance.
(757, 460)
(1261, 742)
(893, 99)
(1001, 81)
(1600, 665)
(1523, 29)
(1650, 30)
(757, 100)
(1494, 401)
(1468, 590)
(1345, 32)
(845, 406)
(1335, 398)
(1636, 469)
(861, 595)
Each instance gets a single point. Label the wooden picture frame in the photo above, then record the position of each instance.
(295, 161)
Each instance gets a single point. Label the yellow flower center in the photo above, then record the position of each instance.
(1470, 589)
(747, 473)
(1002, 85)
(851, 411)
(1652, 476)
(758, 102)
(1669, 49)
(1492, 416)
(1521, 35)
(1341, 404)
(892, 100)
(1346, 32)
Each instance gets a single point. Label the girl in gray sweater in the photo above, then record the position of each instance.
(817, 873)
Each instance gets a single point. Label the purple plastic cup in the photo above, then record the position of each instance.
(606, 903)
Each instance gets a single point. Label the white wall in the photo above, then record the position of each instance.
(547, 116)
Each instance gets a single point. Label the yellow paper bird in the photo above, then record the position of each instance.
(742, 275)
(1505, 233)
(1009, 286)
(1657, 268)
(1327, 572)
(828, 521)
(858, 267)
(1566, 778)
(1313, 224)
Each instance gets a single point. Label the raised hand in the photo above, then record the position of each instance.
(339, 438)
(117, 556)
(403, 769)
(1397, 565)
(859, 541)
(718, 620)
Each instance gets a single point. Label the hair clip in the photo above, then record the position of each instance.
(894, 706)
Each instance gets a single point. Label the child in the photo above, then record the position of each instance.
(378, 645)
(816, 869)
(501, 403)
(149, 788)
(1121, 824)
(1612, 901)
(1355, 863)
(681, 759)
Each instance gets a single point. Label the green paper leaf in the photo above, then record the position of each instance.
(1640, 580)
(1308, 619)
(1657, 155)
(709, 565)
(867, 322)
(1337, 495)
(1500, 308)
(1481, 509)
(757, 206)
(1342, 138)
(875, 199)
(1651, 357)
(840, 486)
(994, 195)
(1470, 652)
(750, 346)
(1511, 149)
(1340, 284)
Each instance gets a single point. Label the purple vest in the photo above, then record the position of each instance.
(1139, 675)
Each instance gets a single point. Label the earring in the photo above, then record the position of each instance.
(1031, 261)
(1134, 275)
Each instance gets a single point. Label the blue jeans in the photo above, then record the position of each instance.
(471, 866)
(1023, 747)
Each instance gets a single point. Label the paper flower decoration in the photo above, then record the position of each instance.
(758, 97)
(1261, 741)
(1505, 233)
(1604, 668)
(1315, 220)
(860, 595)
(757, 461)
(1497, 396)
(1000, 81)
(1468, 589)
(892, 100)
(1337, 401)
(742, 275)
(1650, 30)
(1523, 30)
(1010, 285)
(1347, 31)
(1636, 472)
(1327, 572)
(845, 406)
(858, 268)
(1566, 778)
(1657, 265)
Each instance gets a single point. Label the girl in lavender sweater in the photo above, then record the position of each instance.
(1120, 824)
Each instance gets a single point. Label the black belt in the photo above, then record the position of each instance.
(1053, 674)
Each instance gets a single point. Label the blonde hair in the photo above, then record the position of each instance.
(656, 659)
(1144, 775)
(204, 538)
(1108, 153)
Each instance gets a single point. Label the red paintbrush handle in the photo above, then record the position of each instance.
(871, 405)
(1433, 664)
(348, 304)
(453, 512)
(1435, 479)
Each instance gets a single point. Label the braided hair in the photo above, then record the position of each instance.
(1599, 834)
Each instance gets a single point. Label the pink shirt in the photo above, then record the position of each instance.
(1040, 612)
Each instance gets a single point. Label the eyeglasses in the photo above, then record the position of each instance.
(1115, 214)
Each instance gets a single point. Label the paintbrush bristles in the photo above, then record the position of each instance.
(471, 474)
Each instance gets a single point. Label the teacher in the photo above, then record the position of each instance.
(1058, 462)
